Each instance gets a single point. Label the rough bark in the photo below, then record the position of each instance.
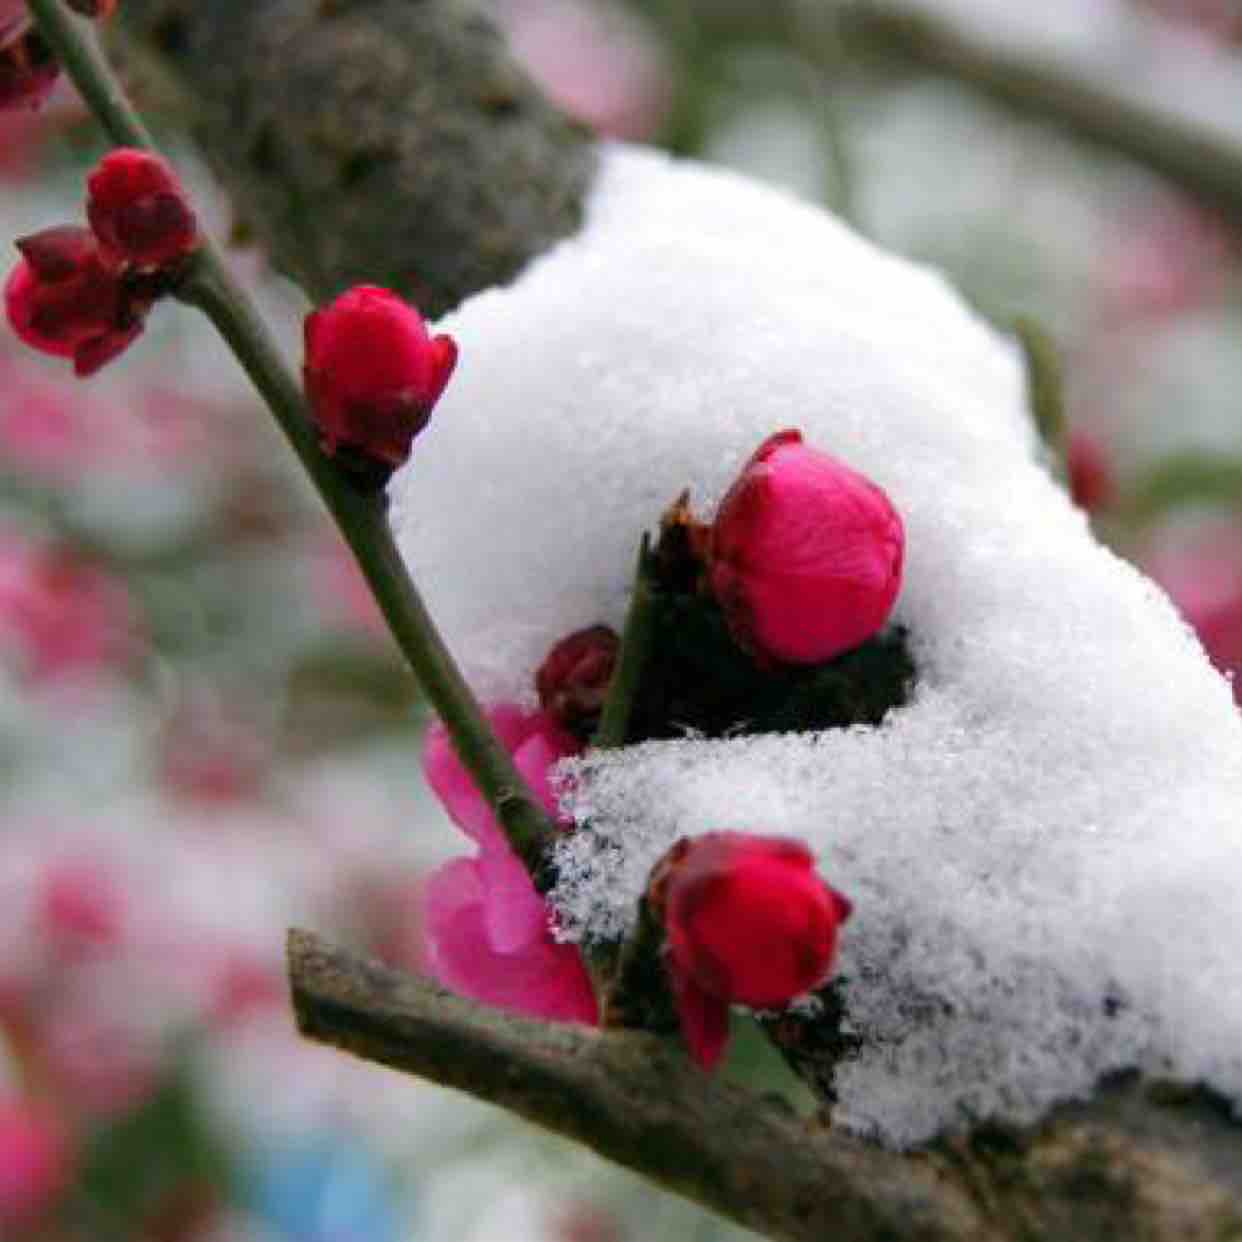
(391, 141)
(1144, 1161)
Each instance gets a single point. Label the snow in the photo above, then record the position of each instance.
(1043, 845)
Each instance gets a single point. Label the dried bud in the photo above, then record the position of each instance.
(64, 299)
(573, 680)
(747, 919)
(28, 70)
(139, 210)
(805, 554)
(373, 373)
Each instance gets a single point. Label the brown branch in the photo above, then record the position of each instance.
(368, 140)
(1142, 1162)
(1201, 160)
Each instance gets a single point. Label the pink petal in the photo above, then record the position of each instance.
(545, 980)
(515, 915)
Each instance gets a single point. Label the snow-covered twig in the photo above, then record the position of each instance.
(1140, 1162)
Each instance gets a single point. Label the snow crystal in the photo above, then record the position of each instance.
(1042, 846)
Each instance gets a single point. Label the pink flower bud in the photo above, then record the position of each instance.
(805, 554)
(28, 71)
(747, 919)
(139, 210)
(572, 682)
(34, 1165)
(373, 373)
(64, 299)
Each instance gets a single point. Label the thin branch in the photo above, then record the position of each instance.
(631, 1097)
(1143, 1160)
(209, 285)
(1203, 160)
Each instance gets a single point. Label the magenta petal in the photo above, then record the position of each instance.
(704, 1021)
(535, 758)
(515, 914)
(545, 980)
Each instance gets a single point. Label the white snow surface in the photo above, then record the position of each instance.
(1043, 846)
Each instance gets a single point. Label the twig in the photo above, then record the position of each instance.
(209, 285)
(1142, 1160)
(1203, 161)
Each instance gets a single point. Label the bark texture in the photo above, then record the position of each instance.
(390, 141)
(1147, 1162)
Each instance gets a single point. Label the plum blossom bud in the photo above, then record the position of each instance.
(572, 682)
(139, 210)
(373, 373)
(28, 70)
(747, 919)
(64, 299)
(805, 554)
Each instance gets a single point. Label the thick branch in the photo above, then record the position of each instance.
(1094, 101)
(391, 141)
(1138, 1163)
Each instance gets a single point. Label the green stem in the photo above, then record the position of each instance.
(614, 720)
(208, 285)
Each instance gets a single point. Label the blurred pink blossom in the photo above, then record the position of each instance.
(598, 61)
(488, 930)
(1202, 572)
(1168, 256)
(80, 908)
(61, 614)
(35, 1164)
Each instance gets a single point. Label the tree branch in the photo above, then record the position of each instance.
(1100, 107)
(1143, 1161)
(370, 140)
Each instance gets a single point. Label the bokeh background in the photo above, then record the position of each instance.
(205, 734)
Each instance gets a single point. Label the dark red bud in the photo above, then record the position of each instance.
(573, 680)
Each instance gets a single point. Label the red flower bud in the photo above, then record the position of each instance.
(747, 919)
(28, 70)
(805, 554)
(64, 299)
(573, 680)
(373, 373)
(1091, 480)
(139, 211)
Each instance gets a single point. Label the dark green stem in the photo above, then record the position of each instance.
(614, 720)
(208, 285)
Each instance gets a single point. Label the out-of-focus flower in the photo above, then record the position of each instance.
(1203, 575)
(63, 615)
(805, 554)
(747, 919)
(28, 71)
(329, 1188)
(572, 682)
(373, 373)
(597, 60)
(1091, 480)
(139, 210)
(488, 930)
(35, 1164)
(64, 299)
(81, 910)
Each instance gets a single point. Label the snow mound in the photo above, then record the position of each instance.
(1043, 846)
